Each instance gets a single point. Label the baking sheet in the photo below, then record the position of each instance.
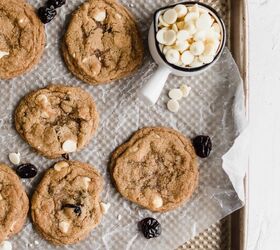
(209, 110)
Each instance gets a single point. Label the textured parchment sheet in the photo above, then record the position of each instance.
(214, 108)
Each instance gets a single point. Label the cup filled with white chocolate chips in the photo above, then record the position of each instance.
(184, 39)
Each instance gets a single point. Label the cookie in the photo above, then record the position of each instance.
(14, 203)
(57, 119)
(102, 42)
(22, 38)
(156, 169)
(65, 206)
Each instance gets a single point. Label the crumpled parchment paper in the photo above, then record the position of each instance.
(215, 107)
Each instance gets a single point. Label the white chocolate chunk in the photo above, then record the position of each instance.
(191, 16)
(64, 226)
(181, 46)
(105, 207)
(187, 58)
(196, 63)
(162, 22)
(60, 165)
(200, 35)
(175, 94)
(69, 146)
(169, 37)
(206, 59)
(1, 197)
(86, 181)
(172, 56)
(174, 27)
(157, 201)
(43, 100)
(183, 35)
(185, 90)
(100, 16)
(197, 48)
(170, 16)
(190, 27)
(181, 10)
(173, 106)
(6, 245)
(14, 158)
(204, 22)
(4, 53)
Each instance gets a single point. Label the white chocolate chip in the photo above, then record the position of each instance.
(1, 197)
(211, 48)
(206, 59)
(191, 16)
(43, 100)
(166, 48)
(185, 90)
(160, 36)
(197, 48)
(194, 8)
(169, 37)
(60, 165)
(181, 10)
(172, 56)
(190, 27)
(173, 106)
(157, 201)
(118, 16)
(105, 207)
(14, 158)
(175, 94)
(6, 245)
(4, 53)
(64, 226)
(204, 22)
(181, 46)
(183, 35)
(69, 146)
(200, 35)
(170, 16)
(100, 16)
(217, 28)
(187, 57)
(162, 22)
(174, 27)
(86, 181)
(196, 62)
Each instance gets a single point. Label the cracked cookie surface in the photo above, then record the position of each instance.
(22, 38)
(156, 168)
(102, 42)
(65, 206)
(14, 203)
(57, 119)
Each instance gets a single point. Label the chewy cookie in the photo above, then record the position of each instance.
(66, 205)
(14, 203)
(22, 38)
(102, 42)
(57, 119)
(156, 168)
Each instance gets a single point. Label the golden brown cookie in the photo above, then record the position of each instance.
(102, 42)
(22, 38)
(57, 119)
(156, 168)
(14, 203)
(65, 207)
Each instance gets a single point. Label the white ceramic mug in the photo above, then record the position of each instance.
(151, 90)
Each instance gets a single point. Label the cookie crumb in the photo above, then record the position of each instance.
(119, 217)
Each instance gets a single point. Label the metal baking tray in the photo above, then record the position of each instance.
(231, 232)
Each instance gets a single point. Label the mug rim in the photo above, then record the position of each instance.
(190, 69)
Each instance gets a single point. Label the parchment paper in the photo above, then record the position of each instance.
(215, 107)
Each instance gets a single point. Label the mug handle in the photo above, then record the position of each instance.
(152, 89)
